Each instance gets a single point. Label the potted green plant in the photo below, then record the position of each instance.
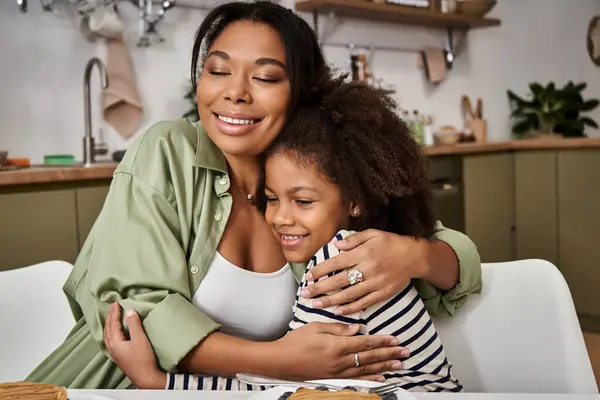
(551, 111)
(192, 114)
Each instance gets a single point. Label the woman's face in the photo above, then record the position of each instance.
(244, 91)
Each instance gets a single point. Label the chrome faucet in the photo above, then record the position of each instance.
(89, 147)
(22, 5)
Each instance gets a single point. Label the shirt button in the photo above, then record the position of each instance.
(222, 182)
(194, 270)
(218, 217)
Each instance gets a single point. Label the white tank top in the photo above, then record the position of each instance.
(250, 305)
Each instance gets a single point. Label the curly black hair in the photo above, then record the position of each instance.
(356, 139)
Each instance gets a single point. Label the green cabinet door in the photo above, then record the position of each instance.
(36, 227)
(579, 226)
(536, 205)
(489, 187)
(90, 201)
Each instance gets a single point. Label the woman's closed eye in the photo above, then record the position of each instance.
(218, 73)
(271, 199)
(267, 79)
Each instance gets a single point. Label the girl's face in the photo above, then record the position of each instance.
(244, 91)
(304, 209)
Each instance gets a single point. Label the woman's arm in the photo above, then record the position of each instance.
(317, 350)
(454, 258)
(136, 251)
(388, 261)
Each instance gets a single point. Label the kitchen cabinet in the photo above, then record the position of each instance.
(536, 205)
(445, 176)
(47, 222)
(37, 226)
(579, 227)
(89, 204)
(542, 204)
(489, 192)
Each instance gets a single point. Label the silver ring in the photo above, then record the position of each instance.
(356, 360)
(354, 276)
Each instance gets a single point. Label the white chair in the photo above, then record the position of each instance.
(520, 335)
(35, 317)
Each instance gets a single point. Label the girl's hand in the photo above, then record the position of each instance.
(135, 357)
(387, 262)
(326, 350)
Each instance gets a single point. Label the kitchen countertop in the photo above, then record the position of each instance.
(55, 174)
(512, 145)
(51, 174)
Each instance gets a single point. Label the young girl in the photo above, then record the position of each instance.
(348, 163)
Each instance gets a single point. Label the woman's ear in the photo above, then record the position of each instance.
(354, 209)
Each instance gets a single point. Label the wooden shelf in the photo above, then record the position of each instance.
(394, 13)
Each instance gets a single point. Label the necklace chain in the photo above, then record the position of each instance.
(249, 196)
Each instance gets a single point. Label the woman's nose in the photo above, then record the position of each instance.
(237, 91)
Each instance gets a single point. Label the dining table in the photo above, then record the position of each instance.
(78, 394)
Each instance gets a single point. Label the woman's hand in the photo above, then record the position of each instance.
(135, 357)
(326, 350)
(387, 262)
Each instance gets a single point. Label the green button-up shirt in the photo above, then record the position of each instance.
(158, 231)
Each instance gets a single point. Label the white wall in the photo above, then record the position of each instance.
(42, 58)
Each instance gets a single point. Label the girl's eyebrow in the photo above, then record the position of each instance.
(295, 189)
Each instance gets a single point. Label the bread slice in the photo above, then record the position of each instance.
(346, 394)
(31, 391)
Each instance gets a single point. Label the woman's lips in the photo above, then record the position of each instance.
(236, 124)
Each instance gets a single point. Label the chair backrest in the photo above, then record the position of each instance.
(520, 335)
(35, 317)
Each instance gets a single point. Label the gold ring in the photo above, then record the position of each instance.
(356, 360)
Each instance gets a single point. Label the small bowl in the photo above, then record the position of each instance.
(477, 8)
(446, 138)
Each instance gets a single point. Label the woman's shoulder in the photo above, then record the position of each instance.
(161, 142)
(167, 153)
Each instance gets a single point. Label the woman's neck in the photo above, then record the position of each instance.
(244, 172)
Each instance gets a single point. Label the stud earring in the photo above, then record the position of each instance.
(355, 212)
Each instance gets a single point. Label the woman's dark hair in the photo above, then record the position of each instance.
(306, 65)
(356, 139)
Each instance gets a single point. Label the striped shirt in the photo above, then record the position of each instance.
(404, 316)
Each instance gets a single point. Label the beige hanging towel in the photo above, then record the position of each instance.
(121, 104)
(434, 63)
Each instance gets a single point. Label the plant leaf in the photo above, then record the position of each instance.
(589, 122)
(529, 123)
(580, 87)
(590, 105)
(536, 89)
(512, 97)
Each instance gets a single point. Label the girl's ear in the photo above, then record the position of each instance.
(354, 210)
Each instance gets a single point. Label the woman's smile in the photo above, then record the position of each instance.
(234, 123)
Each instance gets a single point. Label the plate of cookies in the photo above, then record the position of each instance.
(349, 391)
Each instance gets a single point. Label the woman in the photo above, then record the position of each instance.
(180, 211)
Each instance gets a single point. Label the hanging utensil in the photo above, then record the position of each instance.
(479, 109)
(467, 108)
